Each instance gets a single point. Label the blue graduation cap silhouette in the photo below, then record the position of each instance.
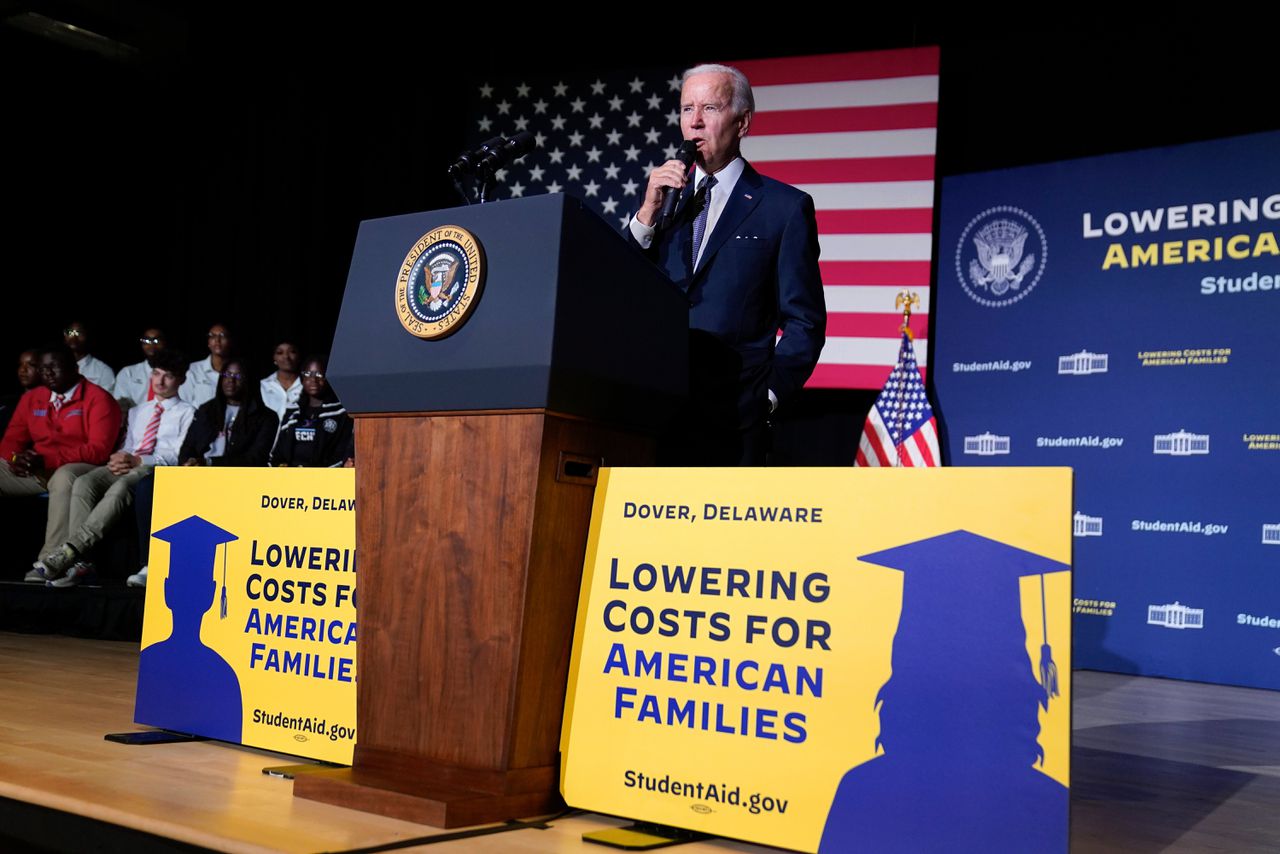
(959, 716)
(183, 684)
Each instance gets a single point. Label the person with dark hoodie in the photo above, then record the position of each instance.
(317, 432)
(233, 429)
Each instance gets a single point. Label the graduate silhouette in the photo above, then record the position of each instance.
(959, 716)
(184, 685)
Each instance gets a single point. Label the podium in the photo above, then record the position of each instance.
(476, 459)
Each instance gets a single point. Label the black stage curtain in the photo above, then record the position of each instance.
(220, 174)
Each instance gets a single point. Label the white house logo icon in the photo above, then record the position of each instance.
(1086, 526)
(1082, 363)
(1181, 444)
(986, 445)
(1175, 616)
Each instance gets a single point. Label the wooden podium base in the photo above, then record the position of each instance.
(428, 802)
(471, 530)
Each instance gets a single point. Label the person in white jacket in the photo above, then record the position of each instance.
(282, 387)
(133, 383)
(96, 371)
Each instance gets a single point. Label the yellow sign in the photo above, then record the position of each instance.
(249, 633)
(768, 654)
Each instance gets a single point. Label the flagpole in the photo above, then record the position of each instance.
(905, 300)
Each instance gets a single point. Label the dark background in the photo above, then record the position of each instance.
(211, 166)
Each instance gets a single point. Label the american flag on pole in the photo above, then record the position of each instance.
(900, 429)
(857, 131)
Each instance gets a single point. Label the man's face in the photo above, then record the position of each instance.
(75, 337)
(707, 118)
(152, 342)
(164, 383)
(219, 340)
(59, 374)
(29, 370)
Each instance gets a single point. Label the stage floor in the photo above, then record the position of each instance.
(1157, 766)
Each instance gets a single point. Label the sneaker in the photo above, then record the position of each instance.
(138, 579)
(60, 560)
(38, 574)
(81, 572)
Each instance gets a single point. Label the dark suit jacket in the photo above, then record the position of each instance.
(758, 274)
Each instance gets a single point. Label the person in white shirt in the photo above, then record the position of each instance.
(133, 383)
(100, 496)
(96, 371)
(202, 376)
(282, 388)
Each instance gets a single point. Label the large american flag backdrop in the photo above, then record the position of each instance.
(857, 131)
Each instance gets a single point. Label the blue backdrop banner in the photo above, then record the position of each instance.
(1118, 315)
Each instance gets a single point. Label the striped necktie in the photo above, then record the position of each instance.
(148, 443)
(702, 200)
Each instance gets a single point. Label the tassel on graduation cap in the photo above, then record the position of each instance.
(193, 557)
(1048, 670)
(222, 603)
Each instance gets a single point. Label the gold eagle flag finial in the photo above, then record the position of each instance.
(907, 301)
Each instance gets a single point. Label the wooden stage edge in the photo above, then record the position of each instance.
(1158, 765)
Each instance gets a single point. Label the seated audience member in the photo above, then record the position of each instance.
(28, 378)
(61, 429)
(318, 432)
(233, 429)
(96, 371)
(101, 496)
(282, 388)
(202, 376)
(133, 383)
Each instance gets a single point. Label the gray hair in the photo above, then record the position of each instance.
(742, 101)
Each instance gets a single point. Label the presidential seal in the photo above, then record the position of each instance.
(440, 282)
(1006, 251)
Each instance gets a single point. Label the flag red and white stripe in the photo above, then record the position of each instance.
(858, 132)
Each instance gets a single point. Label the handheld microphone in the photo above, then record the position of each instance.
(688, 151)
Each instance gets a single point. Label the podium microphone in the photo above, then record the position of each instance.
(471, 159)
(687, 152)
(508, 151)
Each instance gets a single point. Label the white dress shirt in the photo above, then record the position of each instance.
(175, 418)
(726, 180)
(60, 399)
(97, 372)
(201, 383)
(277, 397)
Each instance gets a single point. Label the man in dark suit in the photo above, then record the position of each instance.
(744, 248)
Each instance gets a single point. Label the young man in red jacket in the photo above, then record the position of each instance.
(60, 430)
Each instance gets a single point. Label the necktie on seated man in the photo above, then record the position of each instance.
(148, 443)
